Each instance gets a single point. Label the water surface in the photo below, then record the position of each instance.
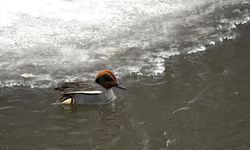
(185, 64)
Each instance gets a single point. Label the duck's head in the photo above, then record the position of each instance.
(107, 80)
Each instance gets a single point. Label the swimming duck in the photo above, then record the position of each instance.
(89, 94)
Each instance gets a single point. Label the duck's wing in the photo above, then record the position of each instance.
(83, 92)
(72, 87)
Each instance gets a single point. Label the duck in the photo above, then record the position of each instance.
(81, 93)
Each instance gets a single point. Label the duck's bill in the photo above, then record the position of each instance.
(121, 87)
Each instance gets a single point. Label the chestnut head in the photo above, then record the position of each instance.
(107, 80)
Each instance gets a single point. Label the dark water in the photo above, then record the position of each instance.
(201, 102)
(186, 66)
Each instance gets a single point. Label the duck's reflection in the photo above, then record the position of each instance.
(74, 107)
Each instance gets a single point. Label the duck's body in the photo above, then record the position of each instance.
(90, 94)
(85, 93)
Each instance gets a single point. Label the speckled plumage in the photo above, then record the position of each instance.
(85, 93)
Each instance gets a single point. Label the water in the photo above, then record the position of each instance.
(185, 63)
(47, 42)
